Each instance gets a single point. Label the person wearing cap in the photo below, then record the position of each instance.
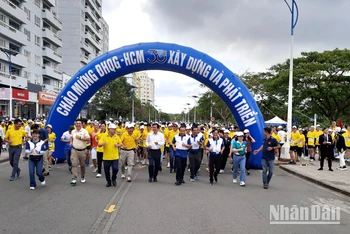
(172, 133)
(301, 143)
(278, 138)
(51, 143)
(215, 147)
(110, 143)
(311, 142)
(326, 148)
(195, 140)
(78, 141)
(249, 140)
(14, 137)
(341, 148)
(227, 150)
(239, 149)
(67, 148)
(35, 148)
(154, 142)
(283, 135)
(128, 149)
(268, 156)
(294, 141)
(100, 149)
(141, 152)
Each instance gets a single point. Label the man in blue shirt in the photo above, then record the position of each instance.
(180, 147)
(215, 146)
(268, 156)
(44, 136)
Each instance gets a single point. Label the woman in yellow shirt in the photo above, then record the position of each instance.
(346, 136)
(51, 142)
(301, 143)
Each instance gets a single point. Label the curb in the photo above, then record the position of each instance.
(347, 193)
(4, 160)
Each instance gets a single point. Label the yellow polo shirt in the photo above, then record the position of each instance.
(317, 136)
(52, 138)
(277, 137)
(231, 134)
(172, 134)
(15, 136)
(301, 141)
(98, 138)
(346, 135)
(142, 139)
(110, 151)
(311, 137)
(295, 139)
(128, 141)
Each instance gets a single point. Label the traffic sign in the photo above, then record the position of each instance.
(212, 119)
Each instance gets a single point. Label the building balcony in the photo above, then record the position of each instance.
(93, 40)
(51, 72)
(92, 14)
(49, 16)
(51, 88)
(96, 8)
(90, 25)
(13, 10)
(17, 81)
(99, 3)
(52, 37)
(51, 54)
(12, 33)
(85, 59)
(85, 46)
(51, 3)
(19, 59)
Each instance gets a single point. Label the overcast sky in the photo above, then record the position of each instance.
(242, 34)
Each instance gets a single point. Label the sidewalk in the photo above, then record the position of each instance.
(336, 180)
(4, 157)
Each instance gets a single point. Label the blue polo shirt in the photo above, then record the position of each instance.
(270, 142)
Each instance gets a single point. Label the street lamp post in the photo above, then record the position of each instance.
(133, 103)
(188, 104)
(149, 110)
(294, 20)
(194, 97)
(8, 55)
(211, 105)
(155, 111)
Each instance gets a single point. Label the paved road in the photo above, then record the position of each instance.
(160, 207)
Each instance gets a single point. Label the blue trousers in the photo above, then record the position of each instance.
(14, 156)
(107, 165)
(37, 168)
(239, 161)
(267, 166)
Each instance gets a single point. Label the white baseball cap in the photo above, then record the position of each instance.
(30, 121)
(280, 127)
(112, 125)
(294, 127)
(239, 134)
(49, 126)
(142, 127)
(338, 129)
(246, 131)
(226, 131)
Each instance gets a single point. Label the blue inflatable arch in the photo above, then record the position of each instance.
(156, 56)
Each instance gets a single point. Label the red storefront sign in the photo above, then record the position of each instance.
(46, 98)
(19, 94)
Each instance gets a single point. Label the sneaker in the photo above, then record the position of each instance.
(266, 186)
(82, 180)
(12, 178)
(196, 177)
(234, 181)
(73, 182)
(168, 166)
(188, 169)
(123, 176)
(211, 183)
(126, 168)
(192, 180)
(248, 172)
(343, 168)
(242, 183)
(98, 176)
(43, 183)
(95, 170)
(31, 188)
(221, 171)
(143, 162)
(18, 172)
(128, 179)
(137, 161)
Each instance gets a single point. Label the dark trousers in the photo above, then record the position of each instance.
(99, 161)
(247, 156)
(14, 155)
(326, 154)
(279, 150)
(153, 163)
(195, 163)
(108, 164)
(180, 165)
(214, 162)
(224, 157)
(68, 153)
(172, 158)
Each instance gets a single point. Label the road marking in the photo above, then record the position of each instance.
(111, 209)
(120, 202)
(142, 166)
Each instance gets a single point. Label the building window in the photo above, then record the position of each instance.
(27, 12)
(27, 54)
(37, 2)
(37, 40)
(37, 60)
(37, 21)
(26, 32)
(2, 42)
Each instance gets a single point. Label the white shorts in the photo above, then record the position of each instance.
(93, 153)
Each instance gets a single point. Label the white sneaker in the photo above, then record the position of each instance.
(98, 176)
(95, 170)
(343, 168)
(31, 188)
(234, 181)
(168, 166)
(126, 168)
(137, 161)
(128, 179)
(73, 182)
(123, 176)
(83, 180)
(188, 169)
(43, 183)
(242, 183)
(221, 171)
(143, 162)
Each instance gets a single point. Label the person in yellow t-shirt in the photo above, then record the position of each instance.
(278, 139)
(232, 133)
(311, 142)
(318, 133)
(171, 136)
(120, 129)
(127, 152)
(141, 145)
(14, 137)
(346, 136)
(110, 143)
(294, 141)
(301, 143)
(166, 136)
(51, 143)
(99, 149)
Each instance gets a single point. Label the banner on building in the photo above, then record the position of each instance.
(46, 98)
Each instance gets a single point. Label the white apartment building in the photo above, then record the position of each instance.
(29, 32)
(145, 90)
(84, 32)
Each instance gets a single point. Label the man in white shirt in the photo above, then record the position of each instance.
(155, 141)
(283, 136)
